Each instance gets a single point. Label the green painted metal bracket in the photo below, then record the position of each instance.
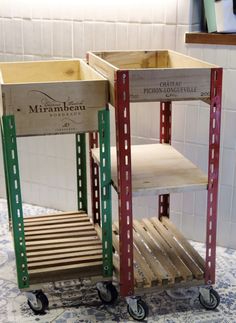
(15, 201)
(105, 174)
(81, 172)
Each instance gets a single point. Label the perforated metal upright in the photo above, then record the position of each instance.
(213, 173)
(165, 137)
(124, 177)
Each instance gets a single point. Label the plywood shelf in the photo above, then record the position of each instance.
(63, 245)
(162, 256)
(159, 169)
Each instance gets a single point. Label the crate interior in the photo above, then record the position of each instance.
(48, 71)
(151, 59)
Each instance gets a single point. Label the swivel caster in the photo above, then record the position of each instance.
(137, 308)
(37, 301)
(209, 298)
(107, 292)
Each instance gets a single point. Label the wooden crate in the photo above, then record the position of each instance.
(52, 97)
(62, 246)
(161, 75)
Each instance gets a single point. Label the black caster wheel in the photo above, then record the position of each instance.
(142, 311)
(107, 293)
(213, 302)
(42, 303)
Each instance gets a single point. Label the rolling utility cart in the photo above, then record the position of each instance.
(153, 254)
(44, 98)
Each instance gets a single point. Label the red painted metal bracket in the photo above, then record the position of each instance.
(123, 143)
(213, 173)
(165, 137)
(94, 175)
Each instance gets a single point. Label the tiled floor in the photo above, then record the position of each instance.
(71, 303)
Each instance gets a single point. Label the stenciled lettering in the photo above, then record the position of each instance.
(169, 90)
(52, 109)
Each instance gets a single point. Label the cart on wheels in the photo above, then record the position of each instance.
(152, 253)
(45, 98)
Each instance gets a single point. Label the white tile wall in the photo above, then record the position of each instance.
(170, 16)
(32, 37)
(169, 37)
(78, 39)
(134, 35)
(47, 38)
(62, 38)
(33, 30)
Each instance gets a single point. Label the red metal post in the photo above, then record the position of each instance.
(213, 173)
(165, 137)
(123, 142)
(94, 175)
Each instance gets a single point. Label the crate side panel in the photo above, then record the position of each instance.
(179, 60)
(55, 108)
(28, 72)
(106, 69)
(88, 73)
(131, 59)
(169, 84)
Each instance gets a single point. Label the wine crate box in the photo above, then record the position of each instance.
(52, 97)
(161, 75)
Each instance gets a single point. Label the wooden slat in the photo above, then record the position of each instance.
(74, 219)
(58, 249)
(38, 278)
(47, 243)
(40, 228)
(54, 216)
(60, 235)
(166, 270)
(64, 255)
(55, 263)
(87, 266)
(138, 258)
(59, 230)
(180, 252)
(61, 246)
(186, 245)
(137, 277)
(179, 264)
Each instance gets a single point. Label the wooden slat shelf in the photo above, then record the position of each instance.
(159, 169)
(63, 245)
(211, 39)
(162, 256)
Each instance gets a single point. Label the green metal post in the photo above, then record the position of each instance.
(105, 174)
(6, 177)
(15, 201)
(81, 171)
